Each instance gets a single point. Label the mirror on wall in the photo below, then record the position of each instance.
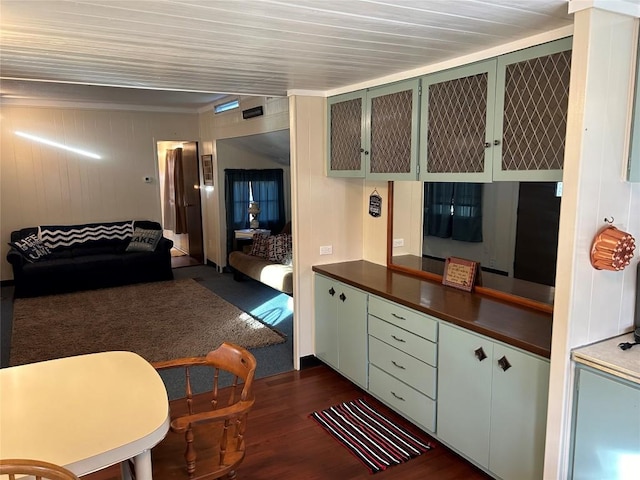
(511, 228)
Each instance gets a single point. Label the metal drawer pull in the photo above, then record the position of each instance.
(398, 316)
(332, 292)
(398, 339)
(480, 355)
(397, 396)
(504, 364)
(397, 365)
(342, 297)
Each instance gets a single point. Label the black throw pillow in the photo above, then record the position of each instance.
(31, 248)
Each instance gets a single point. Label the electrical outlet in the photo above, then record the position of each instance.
(326, 250)
(398, 242)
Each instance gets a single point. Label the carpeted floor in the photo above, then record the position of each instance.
(273, 307)
(158, 320)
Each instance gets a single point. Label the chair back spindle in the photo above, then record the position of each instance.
(212, 426)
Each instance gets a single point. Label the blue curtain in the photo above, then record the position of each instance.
(267, 187)
(453, 209)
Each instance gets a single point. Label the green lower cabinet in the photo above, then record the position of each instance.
(492, 403)
(403, 360)
(341, 328)
(606, 427)
(518, 414)
(326, 326)
(408, 401)
(464, 393)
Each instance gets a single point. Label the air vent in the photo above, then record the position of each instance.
(252, 112)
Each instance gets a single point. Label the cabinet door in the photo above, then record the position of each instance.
(457, 109)
(326, 320)
(518, 414)
(532, 98)
(346, 135)
(606, 437)
(352, 334)
(392, 144)
(464, 392)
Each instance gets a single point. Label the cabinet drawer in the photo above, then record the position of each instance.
(405, 400)
(410, 320)
(404, 367)
(414, 345)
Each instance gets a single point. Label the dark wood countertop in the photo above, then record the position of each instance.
(515, 325)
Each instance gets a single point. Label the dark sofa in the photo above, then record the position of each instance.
(90, 263)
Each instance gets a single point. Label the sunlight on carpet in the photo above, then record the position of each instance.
(272, 312)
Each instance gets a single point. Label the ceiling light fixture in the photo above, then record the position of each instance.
(58, 145)
(225, 107)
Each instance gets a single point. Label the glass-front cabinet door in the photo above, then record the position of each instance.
(346, 135)
(457, 109)
(392, 144)
(531, 113)
(500, 119)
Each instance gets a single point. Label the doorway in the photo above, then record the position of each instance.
(179, 180)
(537, 232)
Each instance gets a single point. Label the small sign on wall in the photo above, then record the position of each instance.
(375, 204)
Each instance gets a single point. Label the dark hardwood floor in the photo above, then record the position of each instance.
(283, 442)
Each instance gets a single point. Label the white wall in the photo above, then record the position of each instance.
(229, 125)
(592, 305)
(327, 211)
(42, 185)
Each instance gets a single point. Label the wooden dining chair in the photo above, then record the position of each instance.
(208, 427)
(36, 468)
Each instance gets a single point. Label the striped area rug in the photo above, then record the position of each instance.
(377, 441)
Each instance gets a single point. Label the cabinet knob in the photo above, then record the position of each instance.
(487, 144)
(362, 150)
(332, 292)
(342, 297)
(496, 142)
(504, 364)
(366, 152)
(480, 355)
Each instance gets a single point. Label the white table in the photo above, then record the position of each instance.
(85, 412)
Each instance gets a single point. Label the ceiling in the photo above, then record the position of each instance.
(155, 51)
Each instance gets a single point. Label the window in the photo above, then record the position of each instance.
(453, 210)
(262, 186)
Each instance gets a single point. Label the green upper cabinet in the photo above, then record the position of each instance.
(391, 148)
(374, 133)
(532, 99)
(346, 126)
(500, 119)
(457, 123)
